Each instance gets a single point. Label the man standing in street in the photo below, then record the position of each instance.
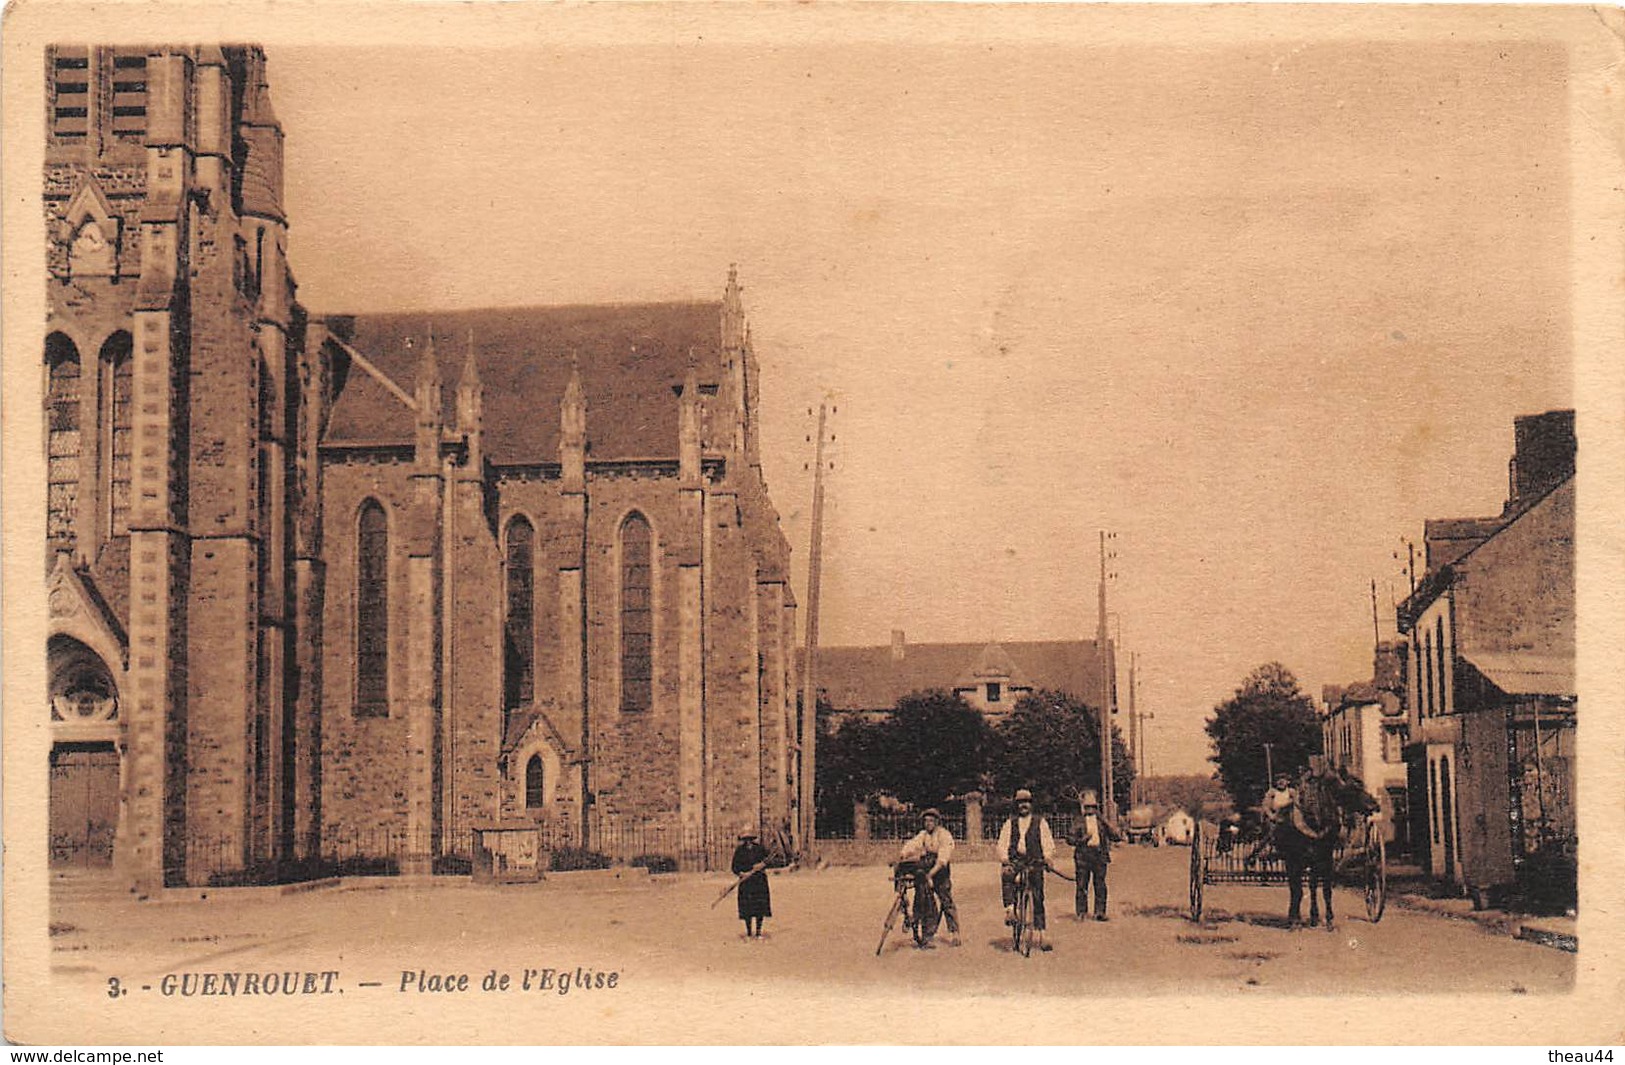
(932, 849)
(1092, 839)
(1025, 842)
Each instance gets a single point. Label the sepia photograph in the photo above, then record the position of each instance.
(721, 523)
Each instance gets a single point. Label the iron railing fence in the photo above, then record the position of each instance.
(387, 851)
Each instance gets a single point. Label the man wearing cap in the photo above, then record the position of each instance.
(1092, 838)
(1025, 840)
(931, 849)
(750, 865)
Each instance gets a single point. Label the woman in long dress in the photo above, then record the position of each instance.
(755, 901)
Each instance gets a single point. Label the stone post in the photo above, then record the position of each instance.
(973, 818)
(860, 819)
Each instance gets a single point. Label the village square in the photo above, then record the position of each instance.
(454, 643)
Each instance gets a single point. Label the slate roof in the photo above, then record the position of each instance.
(1526, 674)
(870, 678)
(632, 358)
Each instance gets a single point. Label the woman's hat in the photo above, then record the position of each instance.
(932, 812)
(1088, 799)
(747, 832)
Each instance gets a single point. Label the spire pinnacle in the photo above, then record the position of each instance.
(428, 365)
(471, 372)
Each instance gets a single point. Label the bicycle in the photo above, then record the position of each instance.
(915, 901)
(1021, 924)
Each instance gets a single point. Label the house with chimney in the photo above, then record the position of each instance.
(867, 682)
(1492, 703)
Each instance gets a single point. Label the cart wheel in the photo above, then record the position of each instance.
(1196, 874)
(1376, 874)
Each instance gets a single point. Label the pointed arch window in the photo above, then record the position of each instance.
(1443, 703)
(535, 780)
(519, 631)
(1429, 706)
(637, 614)
(372, 612)
(117, 427)
(62, 394)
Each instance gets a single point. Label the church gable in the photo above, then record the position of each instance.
(75, 610)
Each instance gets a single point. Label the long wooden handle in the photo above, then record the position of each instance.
(729, 890)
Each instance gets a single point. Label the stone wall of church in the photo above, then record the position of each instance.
(475, 688)
(222, 421)
(635, 753)
(557, 523)
(365, 767)
(733, 707)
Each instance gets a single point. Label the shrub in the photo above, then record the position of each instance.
(655, 863)
(570, 859)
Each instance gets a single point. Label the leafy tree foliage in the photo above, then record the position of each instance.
(937, 746)
(931, 746)
(1269, 707)
(1051, 744)
(1188, 792)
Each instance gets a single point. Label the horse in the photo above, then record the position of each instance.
(1307, 839)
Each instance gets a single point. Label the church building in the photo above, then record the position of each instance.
(349, 588)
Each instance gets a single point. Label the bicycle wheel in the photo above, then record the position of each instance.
(891, 919)
(1376, 875)
(1024, 921)
(1018, 922)
(922, 916)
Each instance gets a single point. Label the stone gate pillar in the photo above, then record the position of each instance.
(973, 818)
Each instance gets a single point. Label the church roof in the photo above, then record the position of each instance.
(632, 358)
(874, 678)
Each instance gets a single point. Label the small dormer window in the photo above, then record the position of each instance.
(995, 691)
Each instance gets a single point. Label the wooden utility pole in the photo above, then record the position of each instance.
(1105, 691)
(1133, 737)
(809, 671)
(1376, 631)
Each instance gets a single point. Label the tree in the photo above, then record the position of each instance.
(936, 745)
(1188, 792)
(851, 765)
(932, 745)
(1269, 707)
(1051, 744)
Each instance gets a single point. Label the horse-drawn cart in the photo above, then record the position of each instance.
(1222, 857)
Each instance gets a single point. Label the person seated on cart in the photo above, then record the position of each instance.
(1025, 842)
(1273, 811)
(927, 857)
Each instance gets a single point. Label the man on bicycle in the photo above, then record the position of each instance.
(930, 851)
(1025, 842)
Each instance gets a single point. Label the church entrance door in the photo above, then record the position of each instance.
(84, 804)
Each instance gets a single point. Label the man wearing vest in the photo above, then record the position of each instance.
(1026, 841)
(930, 851)
(1092, 839)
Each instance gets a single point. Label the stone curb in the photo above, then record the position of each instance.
(1493, 921)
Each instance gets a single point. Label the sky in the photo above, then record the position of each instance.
(1259, 307)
